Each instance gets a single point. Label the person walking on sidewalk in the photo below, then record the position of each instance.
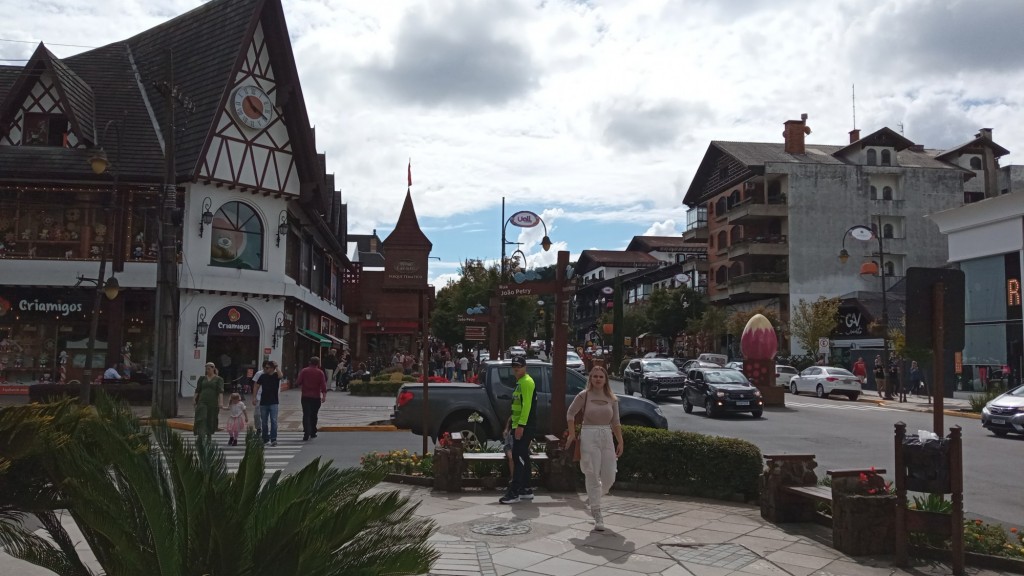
(860, 370)
(879, 376)
(598, 455)
(330, 366)
(313, 384)
(269, 387)
(463, 368)
(524, 416)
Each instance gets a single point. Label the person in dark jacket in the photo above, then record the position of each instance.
(916, 383)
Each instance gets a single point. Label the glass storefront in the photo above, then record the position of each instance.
(993, 331)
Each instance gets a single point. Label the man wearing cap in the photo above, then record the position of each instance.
(524, 413)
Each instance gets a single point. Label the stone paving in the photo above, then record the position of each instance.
(646, 535)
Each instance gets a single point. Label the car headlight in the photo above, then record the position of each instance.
(720, 394)
(985, 411)
(757, 393)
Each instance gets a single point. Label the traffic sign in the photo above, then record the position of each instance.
(823, 345)
(476, 333)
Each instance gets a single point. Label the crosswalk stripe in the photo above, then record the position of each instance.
(842, 407)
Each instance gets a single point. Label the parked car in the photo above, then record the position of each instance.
(1005, 413)
(574, 362)
(783, 374)
(826, 380)
(514, 351)
(735, 366)
(653, 378)
(719, 359)
(719, 390)
(451, 404)
(655, 355)
(694, 364)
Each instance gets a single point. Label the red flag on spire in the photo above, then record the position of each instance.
(410, 172)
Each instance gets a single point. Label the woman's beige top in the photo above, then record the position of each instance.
(600, 410)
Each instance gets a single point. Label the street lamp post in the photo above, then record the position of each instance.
(521, 219)
(99, 163)
(866, 234)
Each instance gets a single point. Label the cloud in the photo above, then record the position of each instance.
(666, 228)
(635, 126)
(460, 54)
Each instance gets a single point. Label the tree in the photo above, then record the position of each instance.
(707, 329)
(670, 309)
(814, 320)
(154, 503)
(737, 321)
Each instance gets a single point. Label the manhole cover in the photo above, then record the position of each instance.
(644, 511)
(728, 556)
(501, 528)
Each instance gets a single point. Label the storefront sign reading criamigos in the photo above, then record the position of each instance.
(234, 321)
(39, 306)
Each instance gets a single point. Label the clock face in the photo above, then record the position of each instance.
(252, 107)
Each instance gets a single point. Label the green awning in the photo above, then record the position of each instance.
(324, 341)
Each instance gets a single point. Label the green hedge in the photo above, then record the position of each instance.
(360, 388)
(694, 464)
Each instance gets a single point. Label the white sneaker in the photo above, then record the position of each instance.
(527, 494)
(598, 520)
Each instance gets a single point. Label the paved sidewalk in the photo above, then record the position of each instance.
(645, 534)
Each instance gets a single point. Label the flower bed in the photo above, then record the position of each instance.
(374, 388)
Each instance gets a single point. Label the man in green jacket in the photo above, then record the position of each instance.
(522, 425)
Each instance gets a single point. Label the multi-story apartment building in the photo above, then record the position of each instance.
(261, 256)
(778, 213)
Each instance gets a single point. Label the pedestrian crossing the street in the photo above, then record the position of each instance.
(275, 457)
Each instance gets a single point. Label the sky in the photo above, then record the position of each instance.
(593, 114)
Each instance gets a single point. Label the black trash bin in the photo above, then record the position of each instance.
(927, 464)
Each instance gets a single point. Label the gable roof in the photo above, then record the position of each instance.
(665, 244)
(978, 140)
(407, 230)
(591, 259)
(882, 137)
(75, 94)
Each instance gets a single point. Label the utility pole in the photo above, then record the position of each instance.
(165, 388)
(617, 336)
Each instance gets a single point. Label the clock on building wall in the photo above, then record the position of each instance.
(252, 107)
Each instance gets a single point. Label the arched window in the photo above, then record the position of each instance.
(237, 239)
(886, 158)
(886, 193)
(734, 198)
(720, 277)
(872, 157)
(735, 270)
(723, 240)
(887, 231)
(874, 193)
(720, 207)
(736, 234)
(975, 163)
(890, 269)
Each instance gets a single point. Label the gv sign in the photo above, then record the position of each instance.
(525, 219)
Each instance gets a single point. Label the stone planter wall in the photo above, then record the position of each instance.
(863, 525)
(777, 507)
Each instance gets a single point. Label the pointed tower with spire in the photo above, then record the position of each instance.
(405, 252)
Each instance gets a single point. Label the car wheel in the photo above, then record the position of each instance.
(645, 391)
(853, 396)
(687, 405)
(999, 433)
(757, 413)
(793, 390)
(629, 387)
(711, 409)
(821, 391)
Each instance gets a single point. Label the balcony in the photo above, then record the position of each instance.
(759, 283)
(697, 232)
(886, 208)
(776, 245)
(695, 264)
(753, 210)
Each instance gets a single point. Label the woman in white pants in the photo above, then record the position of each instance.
(598, 454)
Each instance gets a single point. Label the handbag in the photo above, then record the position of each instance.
(578, 425)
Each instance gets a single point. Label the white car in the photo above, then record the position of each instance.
(783, 375)
(514, 351)
(735, 366)
(826, 380)
(574, 362)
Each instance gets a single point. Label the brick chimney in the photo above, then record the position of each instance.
(794, 135)
(854, 135)
(984, 133)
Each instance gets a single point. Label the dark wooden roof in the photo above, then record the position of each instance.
(591, 259)
(978, 142)
(665, 244)
(407, 230)
(882, 137)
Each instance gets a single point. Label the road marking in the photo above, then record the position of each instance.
(274, 457)
(850, 406)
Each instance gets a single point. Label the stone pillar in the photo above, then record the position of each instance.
(788, 470)
(863, 525)
(449, 468)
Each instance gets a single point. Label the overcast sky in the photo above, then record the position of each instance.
(595, 113)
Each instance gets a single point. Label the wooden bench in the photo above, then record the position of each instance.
(549, 440)
(453, 481)
(797, 492)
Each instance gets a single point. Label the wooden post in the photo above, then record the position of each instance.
(956, 480)
(901, 496)
(558, 351)
(938, 362)
(424, 358)
(493, 325)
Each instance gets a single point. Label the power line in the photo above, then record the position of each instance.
(47, 43)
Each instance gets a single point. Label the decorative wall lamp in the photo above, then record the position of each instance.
(201, 325)
(207, 217)
(278, 329)
(282, 226)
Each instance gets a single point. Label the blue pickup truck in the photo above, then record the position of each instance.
(451, 404)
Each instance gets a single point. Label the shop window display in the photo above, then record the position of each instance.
(49, 232)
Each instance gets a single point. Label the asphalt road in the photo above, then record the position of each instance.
(841, 433)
